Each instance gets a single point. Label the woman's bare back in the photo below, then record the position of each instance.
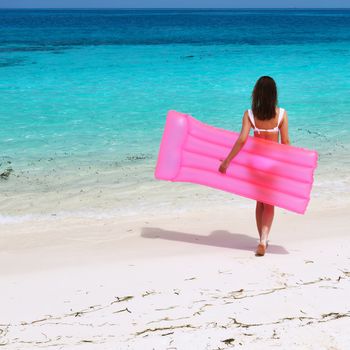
(271, 124)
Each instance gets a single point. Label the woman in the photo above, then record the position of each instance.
(268, 122)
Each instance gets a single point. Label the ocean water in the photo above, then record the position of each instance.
(84, 96)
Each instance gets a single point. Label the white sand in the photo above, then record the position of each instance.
(187, 281)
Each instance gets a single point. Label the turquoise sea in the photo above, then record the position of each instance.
(84, 96)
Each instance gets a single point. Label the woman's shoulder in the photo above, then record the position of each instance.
(281, 112)
(282, 116)
(248, 112)
(281, 109)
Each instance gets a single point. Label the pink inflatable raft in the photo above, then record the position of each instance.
(191, 151)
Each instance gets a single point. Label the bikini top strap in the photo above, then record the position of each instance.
(280, 117)
(251, 117)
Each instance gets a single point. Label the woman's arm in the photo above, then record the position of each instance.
(284, 130)
(242, 138)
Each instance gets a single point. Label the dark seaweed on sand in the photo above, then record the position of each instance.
(6, 173)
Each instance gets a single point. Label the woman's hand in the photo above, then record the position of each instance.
(224, 165)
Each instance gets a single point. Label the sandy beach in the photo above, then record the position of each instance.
(183, 281)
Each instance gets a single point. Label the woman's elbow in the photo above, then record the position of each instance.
(286, 141)
(241, 141)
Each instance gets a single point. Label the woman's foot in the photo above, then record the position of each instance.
(261, 249)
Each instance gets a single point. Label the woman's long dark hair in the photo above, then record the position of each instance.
(264, 98)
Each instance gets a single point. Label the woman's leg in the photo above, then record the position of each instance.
(264, 214)
(258, 216)
(266, 221)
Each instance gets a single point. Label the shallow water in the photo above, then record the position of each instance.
(84, 95)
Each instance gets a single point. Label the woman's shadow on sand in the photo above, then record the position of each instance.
(217, 238)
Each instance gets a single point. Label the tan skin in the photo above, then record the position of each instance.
(264, 213)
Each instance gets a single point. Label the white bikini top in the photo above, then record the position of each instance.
(251, 118)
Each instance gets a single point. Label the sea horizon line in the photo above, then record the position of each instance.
(175, 8)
